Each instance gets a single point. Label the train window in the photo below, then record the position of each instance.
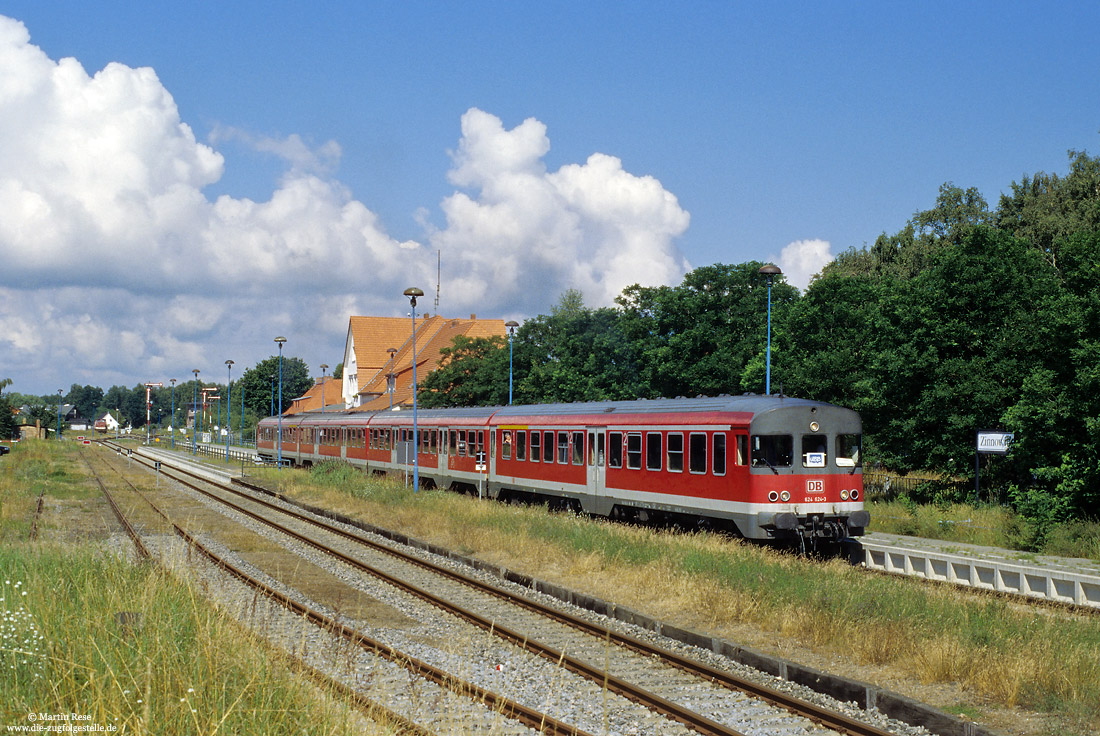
(536, 444)
(615, 449)
(481, 442)
(847, 450)
(548, 447)
(813, 451)
(675, 452)
(697, 452)
(634, 450)
(772, 450)
(591, 449)
(454, 442)
(462, 443)
(506, 446)
(653, 450)
(521, 445)
(578, 448)
(719, 462)
(563, 448)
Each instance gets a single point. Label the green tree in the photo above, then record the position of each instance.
(699, 337)
(472, 372)
(260, 384)
(8, 428)
(1046, 209)
(575, 355)
(86, 399)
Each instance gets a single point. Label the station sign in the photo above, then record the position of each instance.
(995, 442)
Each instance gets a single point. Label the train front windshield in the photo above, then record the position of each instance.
(777, 451)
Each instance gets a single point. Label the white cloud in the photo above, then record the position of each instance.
(524, 235)
(802, 260)
(115, 267)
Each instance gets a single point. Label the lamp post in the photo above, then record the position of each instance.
(195, 415)
(323, 369)
(769, 272)
(172, 426)
(228, 398)
(511, 325)
(391, 382)
(280, 340)
(412, 293)
(58, 413)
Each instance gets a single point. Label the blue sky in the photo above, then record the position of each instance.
(723, 132)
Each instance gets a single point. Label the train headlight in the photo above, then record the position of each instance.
(844, 495)
(785, 496)
(773, 496)
(854, 494)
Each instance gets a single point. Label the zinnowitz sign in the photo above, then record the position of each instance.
(995, 442)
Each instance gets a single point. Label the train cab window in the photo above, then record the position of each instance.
(521, 445)
(563, 448)
(548, 447)
(813, 451)
(653, 450)
(718, 461)
(536, 445)
(506, 446)
(634, 450)
(614, 449)
(578, 448)
(772, 450)
(847, 451)
(697, 452)
(675, 452)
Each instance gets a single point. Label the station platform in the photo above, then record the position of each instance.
(1058, 579)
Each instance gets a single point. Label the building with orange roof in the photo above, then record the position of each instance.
(325, 391)
(375, 377)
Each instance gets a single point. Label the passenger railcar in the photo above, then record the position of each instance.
(772, 467)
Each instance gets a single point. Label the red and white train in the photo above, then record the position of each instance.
(773, 467)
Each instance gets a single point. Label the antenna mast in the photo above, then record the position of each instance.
(438, 261)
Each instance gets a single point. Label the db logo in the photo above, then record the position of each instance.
(815, 486)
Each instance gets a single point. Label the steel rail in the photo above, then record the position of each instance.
(142, 550)
(816, 714)
(401, 723)
(615, 684)
(509, 708)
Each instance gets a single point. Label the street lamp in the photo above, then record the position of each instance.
(280, 340)
(511, 325)
(195, 414)
(412, 293)
(323, 369)
(172, 427)
(769, 272)
(58, 413)
(390, 381)
(228, 398)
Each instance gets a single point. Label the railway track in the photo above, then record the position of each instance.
(660, 679)
(485, 707)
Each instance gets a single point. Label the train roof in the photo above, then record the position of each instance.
(748, 405)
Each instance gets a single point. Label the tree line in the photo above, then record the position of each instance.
(258, 387)
(968, 318)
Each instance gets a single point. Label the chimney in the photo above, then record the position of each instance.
(473, 316)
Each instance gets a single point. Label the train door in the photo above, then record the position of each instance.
(596, 462)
